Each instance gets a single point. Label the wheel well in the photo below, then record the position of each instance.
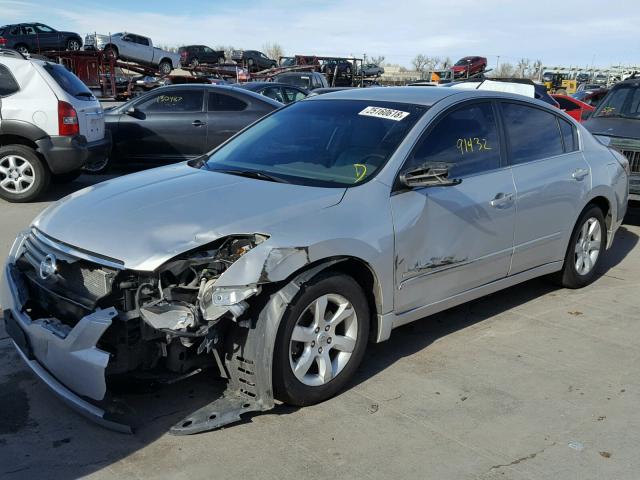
(603, 204)
(362, 273)
(16, 140)
(165, 59)
(111, 46)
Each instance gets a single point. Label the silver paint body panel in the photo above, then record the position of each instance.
(428, 249)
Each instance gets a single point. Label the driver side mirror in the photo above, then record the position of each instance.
(134, 112)
(429, 175)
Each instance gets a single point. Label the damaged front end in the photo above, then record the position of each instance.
(89, 324)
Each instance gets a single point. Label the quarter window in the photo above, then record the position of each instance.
(466, 139)
(225, 103)
(173, 101)
(532, 132)
(8, 84)
(569, 136)
(273, 92)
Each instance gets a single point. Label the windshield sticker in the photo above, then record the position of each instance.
(388, 113)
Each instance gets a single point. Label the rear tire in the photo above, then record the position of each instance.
(194, 62)
(98, 168)
(73, 45)
(325, 361)
(110, 52)
(586, 249)
(165, 67)
(23, 174)
(22, 49)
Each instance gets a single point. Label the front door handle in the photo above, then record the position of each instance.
(198, 123)
(580, 174)
(502, 200)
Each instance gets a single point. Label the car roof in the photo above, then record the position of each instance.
(224, 88)
(414, 95)
(256, 85)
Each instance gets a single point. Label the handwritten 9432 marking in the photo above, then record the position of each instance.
(472, 144)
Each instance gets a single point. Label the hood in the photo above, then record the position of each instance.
(147, 218)
(614, 127)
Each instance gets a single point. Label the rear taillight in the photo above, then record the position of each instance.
(67, 120)
(3, 42)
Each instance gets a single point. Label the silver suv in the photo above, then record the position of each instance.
(273, 260)
(51, 126)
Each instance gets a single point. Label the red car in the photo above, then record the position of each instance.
(572, 106)
(468, 66)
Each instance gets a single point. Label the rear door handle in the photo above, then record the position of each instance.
(502, 200)
(198, 123)
(580, 174)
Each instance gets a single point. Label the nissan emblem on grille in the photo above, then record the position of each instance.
(48, 266)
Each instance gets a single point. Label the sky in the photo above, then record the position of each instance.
(570, 32)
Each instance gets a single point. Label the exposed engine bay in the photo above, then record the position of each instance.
(170, 323)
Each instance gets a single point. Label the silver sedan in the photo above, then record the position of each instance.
(273, 260)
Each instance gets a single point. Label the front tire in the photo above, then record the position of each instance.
(321, 340)
(585, 250)
(23, 175)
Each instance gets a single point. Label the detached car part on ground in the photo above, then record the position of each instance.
(51, 126)
(275, 259)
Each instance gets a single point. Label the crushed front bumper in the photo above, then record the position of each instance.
(66, 359)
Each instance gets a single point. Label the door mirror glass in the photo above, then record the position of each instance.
(134, 112)
(430, 174)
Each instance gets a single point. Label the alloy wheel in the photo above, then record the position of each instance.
(323, 339)
(588, 245)
(16, 174)
(74, 45)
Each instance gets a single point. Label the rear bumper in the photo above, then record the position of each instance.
(68, 154)
(66, 359)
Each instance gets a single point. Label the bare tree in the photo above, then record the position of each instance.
(446, 63)
(376, 60)
(537, 69)
(523, 67)
(273, 50)
(420, 62)
(228, 51)
(505, 70)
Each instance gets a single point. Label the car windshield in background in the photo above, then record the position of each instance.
(68, 81)
(623, 102)
(302, 81)
(333, 143)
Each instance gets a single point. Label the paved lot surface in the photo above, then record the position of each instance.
(529, 383)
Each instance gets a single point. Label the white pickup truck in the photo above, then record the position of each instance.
(134, 48)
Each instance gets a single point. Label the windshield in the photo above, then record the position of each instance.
(68, 81)
(623, 101)
(303, 81)
(333, 143)
(463, 61)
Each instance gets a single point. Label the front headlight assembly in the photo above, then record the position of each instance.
(216, 301)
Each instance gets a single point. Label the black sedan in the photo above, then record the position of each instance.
(281, 92)
(37, 37)
(179, 122)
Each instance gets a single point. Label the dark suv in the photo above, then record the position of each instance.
(194, 55)
(254, 60)
(307, 80)
(37, 37)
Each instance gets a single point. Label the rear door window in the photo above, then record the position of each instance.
(68, 81)
(566, 104)
(173, 101)
(274, 93)
(8, 84)
(532, 133)
(219, 102)
(292, 95)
